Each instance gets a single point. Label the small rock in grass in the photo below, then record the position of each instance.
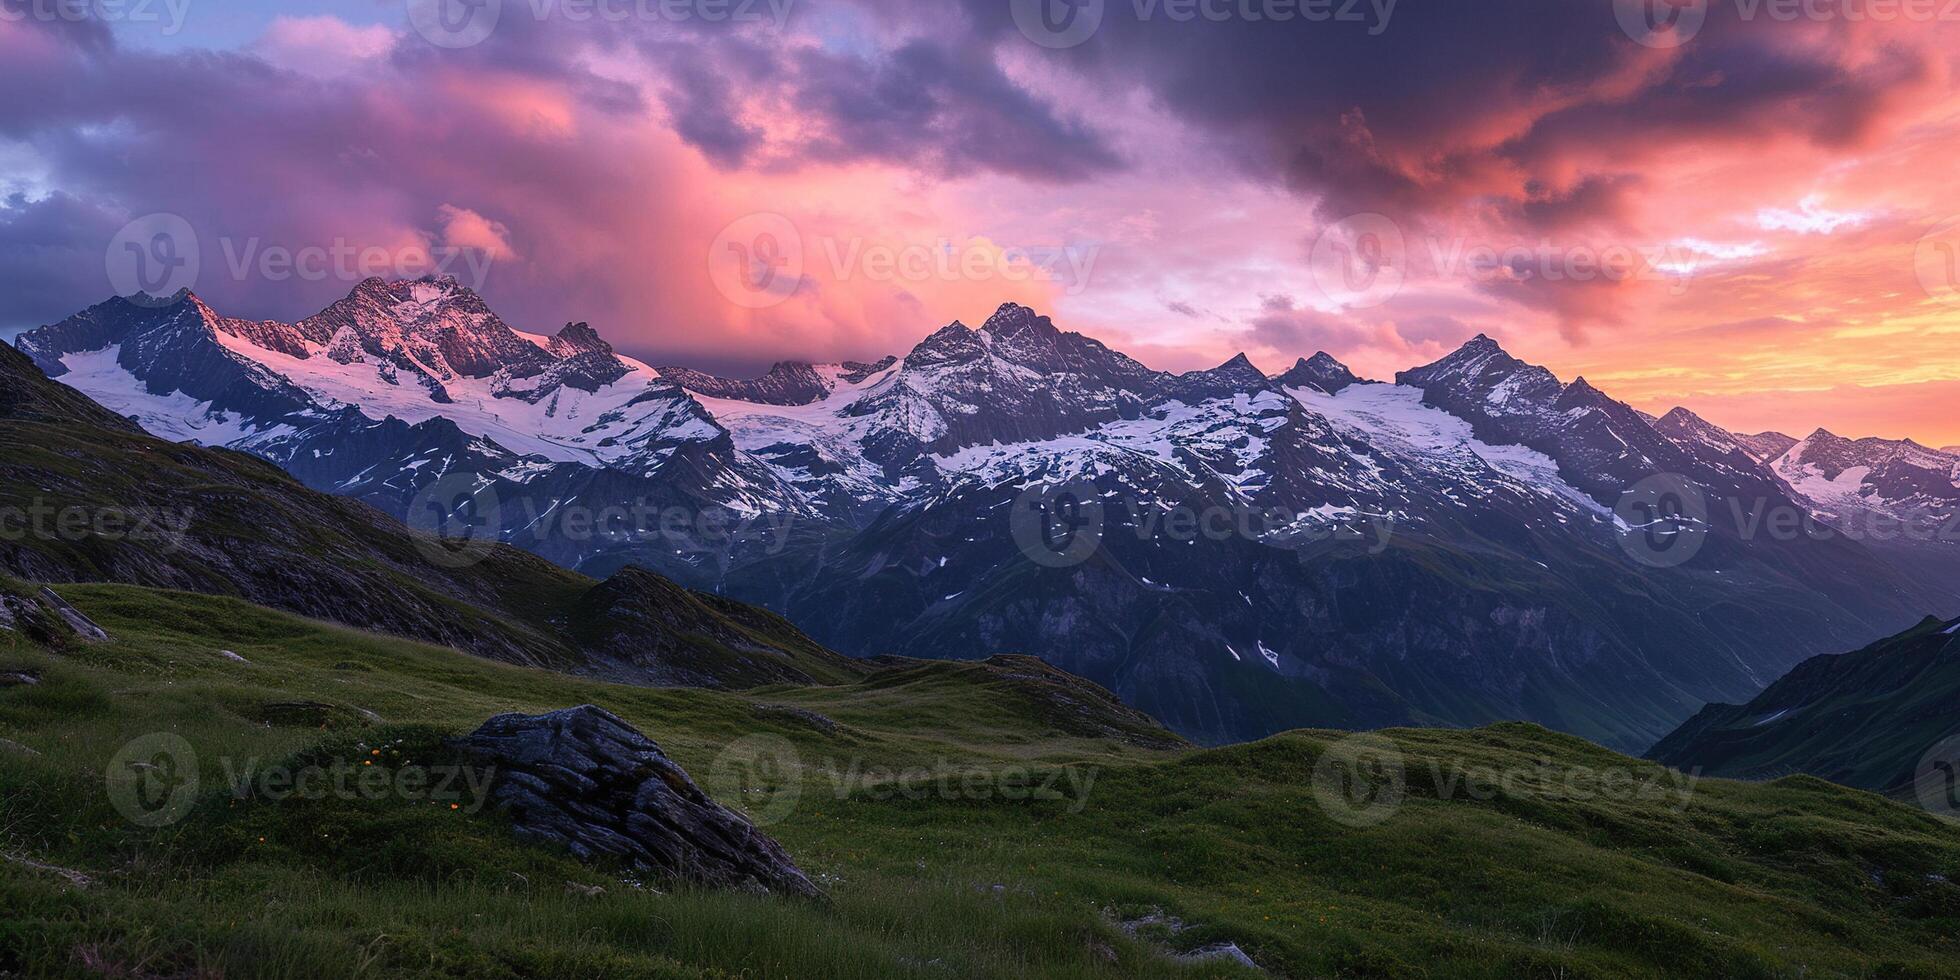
(233, 657)
(1222, 952)
(19, 678)
(82, 625)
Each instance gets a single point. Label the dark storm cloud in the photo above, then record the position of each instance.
(1524, 102)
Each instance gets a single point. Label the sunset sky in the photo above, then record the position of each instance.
(1783, 187)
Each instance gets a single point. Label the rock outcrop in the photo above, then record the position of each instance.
(586, 780)
(83, 626)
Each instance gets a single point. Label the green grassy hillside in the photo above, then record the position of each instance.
(1864, 719)
(913, 796)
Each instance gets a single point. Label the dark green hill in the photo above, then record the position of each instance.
(1863, 719)
(86, 497)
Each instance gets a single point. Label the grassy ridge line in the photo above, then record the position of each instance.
(1525, 877)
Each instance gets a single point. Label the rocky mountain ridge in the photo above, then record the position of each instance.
(1472, 542)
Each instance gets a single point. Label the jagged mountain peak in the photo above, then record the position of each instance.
(1898, 479)
(433, 326)
(1683, 421)
(1582, 391)
(1766, 446)
(1236, 376)
(953, 342)
(1013, 319)
(1824, 444)
(1686, 428)
(1321, 372)
(578, 338)
(1480, 355)
(856, 372)
(1482, 373)
(786, 383)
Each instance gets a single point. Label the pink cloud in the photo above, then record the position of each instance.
(323, 44)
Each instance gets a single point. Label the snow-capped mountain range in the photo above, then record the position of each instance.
(1456, 547)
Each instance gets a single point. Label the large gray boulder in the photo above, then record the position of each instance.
(584, 779)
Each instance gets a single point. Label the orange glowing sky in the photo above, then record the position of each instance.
(1788, 187)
